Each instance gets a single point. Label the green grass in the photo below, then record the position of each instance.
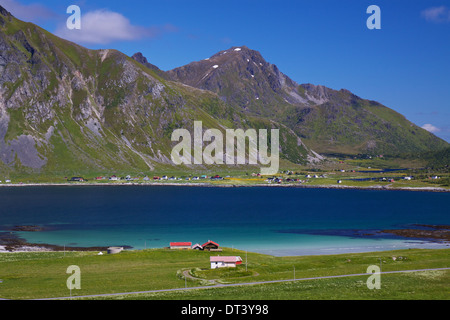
(409, 286)
(43, 275)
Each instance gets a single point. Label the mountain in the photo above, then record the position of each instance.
(65, 109)
(138, 56)
(329, 121)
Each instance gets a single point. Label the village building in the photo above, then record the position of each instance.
(225, 261)
(197, 246)
(181, 245)
(211, 246)
(79, 179)
(114, 250)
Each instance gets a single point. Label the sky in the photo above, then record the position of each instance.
(405, 65)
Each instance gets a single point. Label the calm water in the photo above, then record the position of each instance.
(278, 221)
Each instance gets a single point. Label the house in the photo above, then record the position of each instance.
(211, 246)
(114, 250)
(79, 179)
(407, 178)
(197, 246)
(172, 178)
(224, 261)
(146, 178)
(113, 178)
(156, 178)
(164, 178)
(181, 245)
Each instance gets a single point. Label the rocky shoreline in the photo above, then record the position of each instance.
(9, 242)
(425, 232)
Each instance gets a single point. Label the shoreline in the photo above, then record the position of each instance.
(209, 185)
(43, 248)
(438, 234)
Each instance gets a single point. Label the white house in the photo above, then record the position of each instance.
(197, 246)
(224, 261)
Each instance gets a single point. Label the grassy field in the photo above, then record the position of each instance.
(43, 275)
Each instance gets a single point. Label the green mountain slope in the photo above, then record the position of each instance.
(67, 109)
(327, 120)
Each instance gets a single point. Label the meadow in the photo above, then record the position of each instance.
(40, 275)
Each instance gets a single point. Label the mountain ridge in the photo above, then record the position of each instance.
(65, 108)
(327, 120)
(68, 109)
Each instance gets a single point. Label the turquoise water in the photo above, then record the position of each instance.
(278, 221)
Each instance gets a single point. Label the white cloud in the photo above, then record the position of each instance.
(437, 14)
(103, 27)
(33, 12)
(431, 128)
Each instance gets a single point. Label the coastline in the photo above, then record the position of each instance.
(331, 186)
(438, 234)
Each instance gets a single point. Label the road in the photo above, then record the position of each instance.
(238, 284)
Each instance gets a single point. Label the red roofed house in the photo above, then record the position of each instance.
(224, 261)
(211, 246)
(180, 245)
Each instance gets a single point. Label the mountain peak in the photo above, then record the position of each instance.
(242, 53)
(242, 77)
(4, 12)
(139, 57)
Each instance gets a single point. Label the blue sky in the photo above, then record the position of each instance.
(405, 65)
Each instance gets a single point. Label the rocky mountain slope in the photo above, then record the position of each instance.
(65, 109)
(327, 120)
